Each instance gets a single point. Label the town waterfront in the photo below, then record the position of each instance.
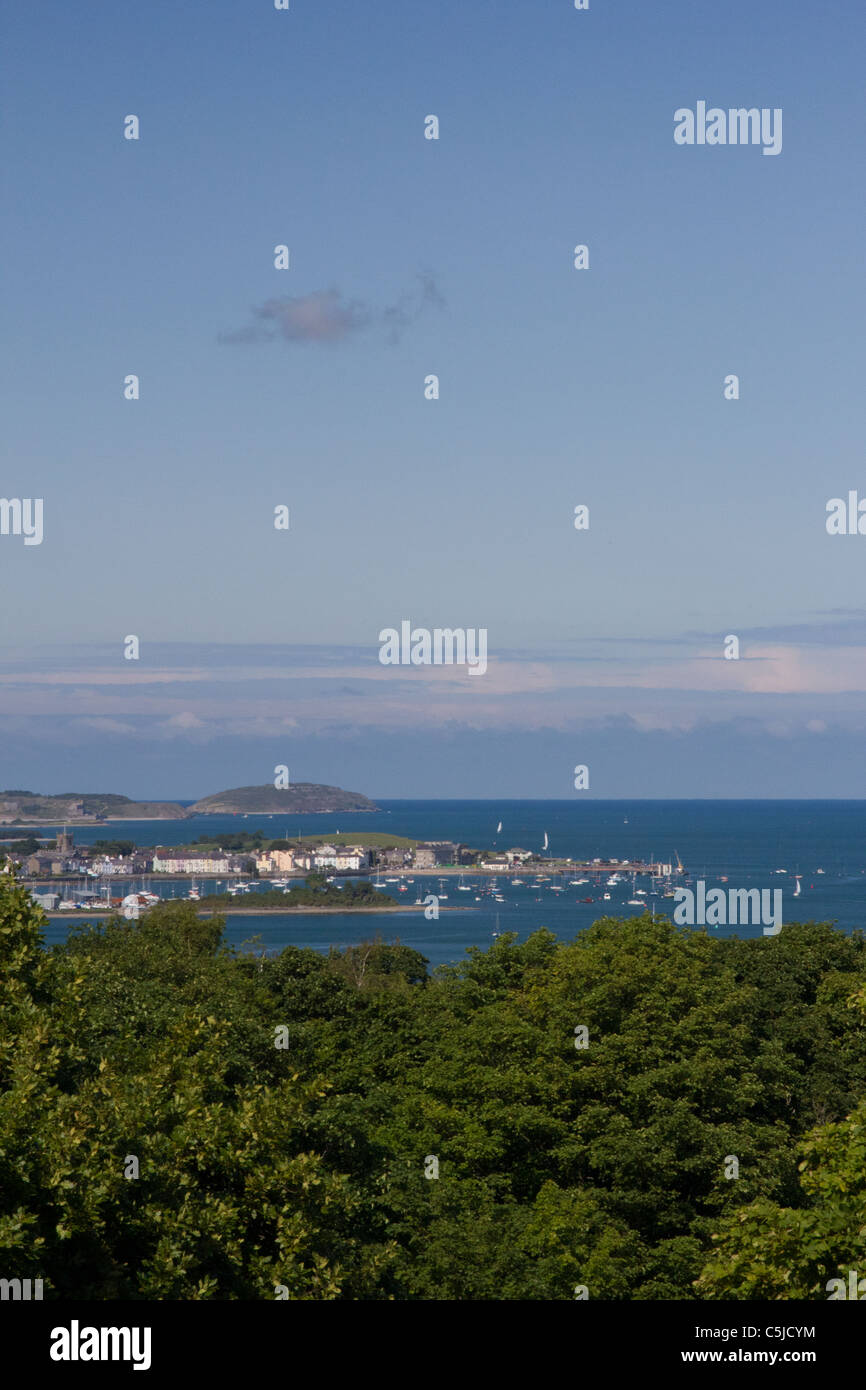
(728, 843)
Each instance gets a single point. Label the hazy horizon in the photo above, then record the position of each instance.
(303, 388)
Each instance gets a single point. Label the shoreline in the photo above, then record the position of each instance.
(264, 911)
(300, 875)
(173, 820)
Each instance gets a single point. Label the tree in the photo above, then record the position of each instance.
(770, 1251)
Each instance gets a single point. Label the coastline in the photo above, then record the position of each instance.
(399, 910)
(173, 820)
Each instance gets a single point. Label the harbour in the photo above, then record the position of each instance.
(820, 846)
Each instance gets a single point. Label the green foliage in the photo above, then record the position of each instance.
(774, 1251)
(306, 1164)
(314, 892)
(28, 845)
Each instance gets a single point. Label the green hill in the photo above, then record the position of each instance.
(302, 797)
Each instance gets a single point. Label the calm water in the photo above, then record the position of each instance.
(745, 840)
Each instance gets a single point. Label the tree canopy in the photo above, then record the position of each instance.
(647, 1111)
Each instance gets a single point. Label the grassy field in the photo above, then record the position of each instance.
(375, 838)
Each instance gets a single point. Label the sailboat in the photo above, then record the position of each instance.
(796, 892)
(546, 844)
(499, 828)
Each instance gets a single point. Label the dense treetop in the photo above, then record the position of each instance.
(283, 1114)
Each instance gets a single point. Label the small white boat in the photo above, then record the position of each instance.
(796, 893)
(605, 896)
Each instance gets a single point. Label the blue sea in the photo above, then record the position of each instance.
(744, 842)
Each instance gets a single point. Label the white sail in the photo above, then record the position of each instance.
(546, 841)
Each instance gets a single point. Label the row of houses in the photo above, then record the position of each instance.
(333, 858)
(170, 861)
(63, 857)
(430, 854)
(339, 859)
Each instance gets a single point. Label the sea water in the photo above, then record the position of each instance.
(745, 843)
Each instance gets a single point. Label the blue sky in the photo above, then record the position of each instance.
(558, 387)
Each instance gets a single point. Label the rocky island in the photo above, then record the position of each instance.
(299, 798)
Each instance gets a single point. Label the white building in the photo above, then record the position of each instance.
(325, 857)
(352, 859)
(165, 862)
(348, 858)
(47, 901)
(108, 865)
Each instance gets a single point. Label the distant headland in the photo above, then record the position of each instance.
(300, 797)
(19, 807)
